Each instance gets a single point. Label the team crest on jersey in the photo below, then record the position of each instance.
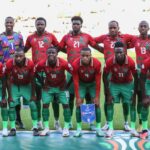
(147, 46)
(81, 40)
(45, 40)
(34, 39)
(91, 71)
(125, 70)
(25, 72)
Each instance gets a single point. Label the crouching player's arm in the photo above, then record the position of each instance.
(3, 79)
(136, 82)
(143, 77)
(106, 72)
(76, 85)
(8, 80)
(32, 76)
(98, 84)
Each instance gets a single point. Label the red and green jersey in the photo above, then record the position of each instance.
(55, 76)
(20, 75)
(120, 73)
(74, 43)
(109, 42)
(87, 74)
(40, 44)
(146, 67)
(142, 49)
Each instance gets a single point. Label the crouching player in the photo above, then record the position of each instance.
(54, 84)
(145, 87)
(3, 102)
(120, 86)
(87, 78)
(19, 74)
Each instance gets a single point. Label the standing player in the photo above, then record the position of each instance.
(142, 49)
(9, 41)
(145, 86)
(108, 41)
(54, 84)
(39, 41)
(73, 42)
(120, 86)
(87, 78)
(19, 75)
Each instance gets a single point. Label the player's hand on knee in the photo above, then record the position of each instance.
(10, 99)
(78, 102)
(96, 101)
(146, 101)
(4, 103)
(33, 98)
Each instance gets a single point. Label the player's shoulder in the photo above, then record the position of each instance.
(61, 60)
(76, 61)
(95, 60)
(32, 35)
(29, 61)
(42, 62)
(10, 62)
(85, 34)
(110, 59)
(48, 33)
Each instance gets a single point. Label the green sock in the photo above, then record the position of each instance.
(98, 125)
(38, 104)
(5, 123)
(46, 124)
(12, 124)
(79, 126)
(66, 125)
(34, 122)
(126, 108)
(67, 115)
(145, 125)
(132, 125)
(110, 112)
(110, 123)
(78, 114)
(98, 114)
(132, 113)
(45, 114)
(4, 114)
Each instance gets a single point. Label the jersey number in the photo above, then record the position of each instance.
(143, 50)
(120, 75)
(76, 44)
(112, 44)
(41, 44)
